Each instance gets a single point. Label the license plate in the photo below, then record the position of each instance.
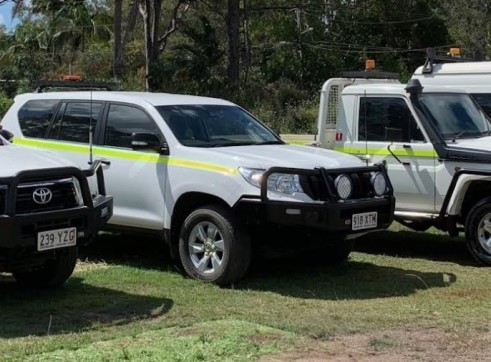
(54, 239)
(366, 220)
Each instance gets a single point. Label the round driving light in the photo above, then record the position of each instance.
(379, 184)
(344, 186)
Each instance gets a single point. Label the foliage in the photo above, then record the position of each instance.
(5, 103)
(287, 48)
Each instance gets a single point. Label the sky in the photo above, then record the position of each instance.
(6, 16)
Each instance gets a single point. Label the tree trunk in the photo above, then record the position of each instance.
(117, 56)
(145, 9)
(233, 30)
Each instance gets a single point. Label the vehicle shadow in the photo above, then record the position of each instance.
(315, 279)
(140, 251)
(412, 244)
(69, 309)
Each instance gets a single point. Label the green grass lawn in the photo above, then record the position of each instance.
(127, 301)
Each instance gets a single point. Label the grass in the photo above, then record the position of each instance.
(127, 301)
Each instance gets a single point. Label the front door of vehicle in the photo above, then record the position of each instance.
(136, 179)
(389, 134)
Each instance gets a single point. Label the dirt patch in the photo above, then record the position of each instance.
(85, 265)
(394, 346)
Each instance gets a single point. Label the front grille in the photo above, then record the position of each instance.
(46, 196)
(30, 230)
(318, 190)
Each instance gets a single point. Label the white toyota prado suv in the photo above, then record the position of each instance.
(206, 176)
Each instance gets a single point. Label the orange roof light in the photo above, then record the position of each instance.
(72, 77)
(369, 64)
(454, 52)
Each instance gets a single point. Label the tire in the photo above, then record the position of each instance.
(213, 246)
(478, 232)
(53, 273)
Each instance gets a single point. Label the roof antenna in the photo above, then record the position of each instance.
(91, 133)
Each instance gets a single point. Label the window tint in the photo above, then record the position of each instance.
(387, 120)
(215, 126)
(34, 117)
(123, 121)
(73, 124)
(484, 100)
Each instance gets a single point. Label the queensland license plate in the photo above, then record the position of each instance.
(54, 239)
(366, 220)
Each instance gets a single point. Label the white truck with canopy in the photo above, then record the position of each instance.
(434, 141)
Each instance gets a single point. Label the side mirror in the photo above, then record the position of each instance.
(148, 141)
(6, 134)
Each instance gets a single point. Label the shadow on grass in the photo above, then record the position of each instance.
(292, 274)
(139, 251)
(309, 279)
(72, 308)
(411, 244)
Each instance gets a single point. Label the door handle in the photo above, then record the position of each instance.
(406, 146)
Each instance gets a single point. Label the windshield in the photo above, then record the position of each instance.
(215, 126)
(456, 115)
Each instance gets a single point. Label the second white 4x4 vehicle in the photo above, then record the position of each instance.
(207, 176)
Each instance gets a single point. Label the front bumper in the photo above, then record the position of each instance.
(19, 227)
(20, 231)
(329, 214)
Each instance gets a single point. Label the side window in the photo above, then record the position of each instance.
(484, 101)
(73, 121)
(387, 120)
(35, 116)
(123, 121)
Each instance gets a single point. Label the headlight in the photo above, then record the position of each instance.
(252, 175)
(284, 183)
(279, 182)
(344, 186)
(379, 183)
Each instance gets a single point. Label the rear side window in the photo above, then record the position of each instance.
(35, 116)
(73, 122)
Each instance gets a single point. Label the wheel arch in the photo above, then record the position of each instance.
(467, 188)
(186, 203)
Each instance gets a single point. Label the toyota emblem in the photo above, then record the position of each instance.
(42, 195)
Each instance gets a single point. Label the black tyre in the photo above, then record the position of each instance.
(54, 272)
(478, 232)
(213, 246)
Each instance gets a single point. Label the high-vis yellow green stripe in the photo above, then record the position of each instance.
(125, 154)
(383, 151)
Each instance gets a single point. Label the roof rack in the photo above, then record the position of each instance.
(43, 85)
(432, 58)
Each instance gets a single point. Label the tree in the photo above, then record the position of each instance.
(468, 21)
(155, 43)
(233, 31)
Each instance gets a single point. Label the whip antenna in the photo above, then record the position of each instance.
(366, 130)
(91, 133)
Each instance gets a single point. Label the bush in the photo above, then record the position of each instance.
(5, 103)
